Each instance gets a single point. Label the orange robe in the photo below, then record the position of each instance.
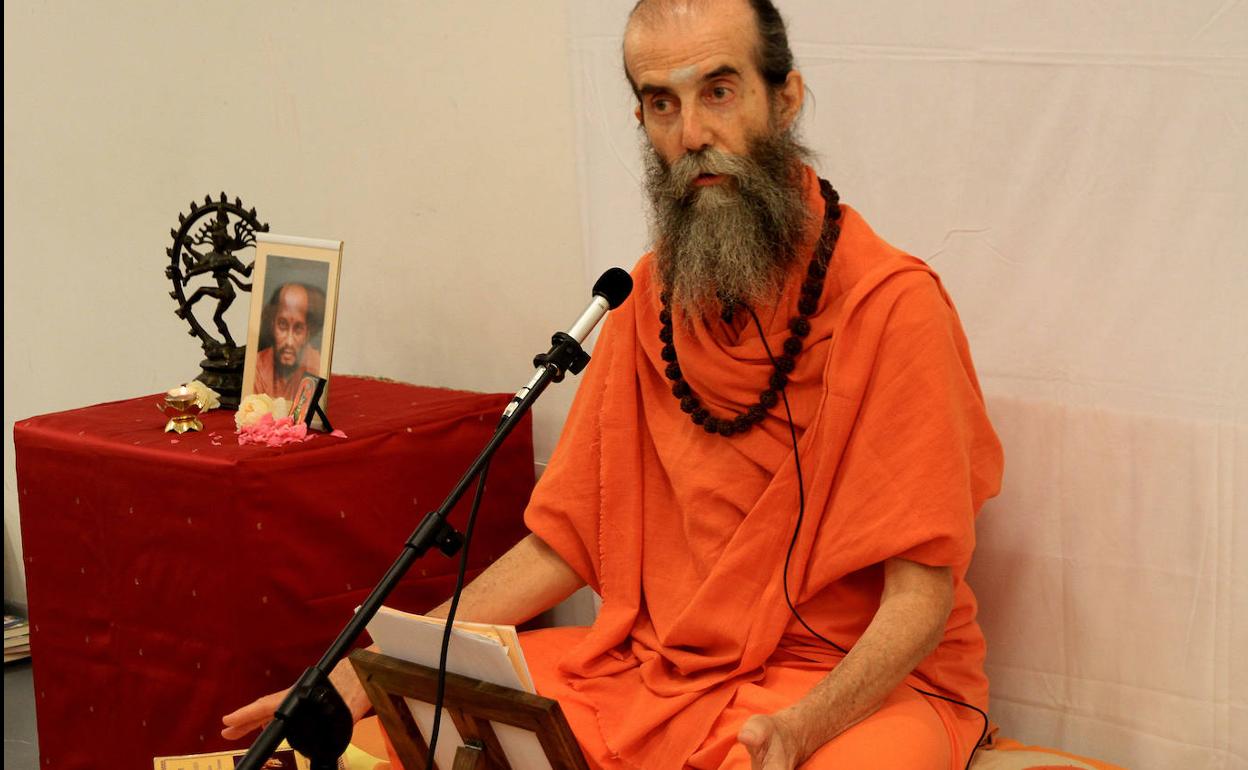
(684, 534)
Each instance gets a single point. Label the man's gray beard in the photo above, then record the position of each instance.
(731, 240)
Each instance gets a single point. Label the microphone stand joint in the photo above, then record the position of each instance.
(565, 355)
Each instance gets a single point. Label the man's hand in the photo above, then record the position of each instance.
(253, 716)
(772, 741)
(259, 712)
(909, 624)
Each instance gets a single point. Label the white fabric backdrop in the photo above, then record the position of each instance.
(1076, 173)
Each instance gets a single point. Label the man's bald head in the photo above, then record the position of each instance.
(772, 56)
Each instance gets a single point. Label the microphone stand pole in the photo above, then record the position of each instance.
(313, 717)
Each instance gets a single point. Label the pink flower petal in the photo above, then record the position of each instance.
(339, 434)
(270, 431)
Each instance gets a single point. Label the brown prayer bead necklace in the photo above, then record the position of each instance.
(799, 327)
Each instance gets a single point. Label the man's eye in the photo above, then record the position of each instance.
(721, 93)
(661, 106)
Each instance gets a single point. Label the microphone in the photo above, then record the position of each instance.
(609, 292)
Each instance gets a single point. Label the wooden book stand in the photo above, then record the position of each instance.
(472, 704)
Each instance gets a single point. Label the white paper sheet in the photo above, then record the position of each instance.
(407, 637)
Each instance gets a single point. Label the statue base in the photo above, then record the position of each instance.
(224, 375)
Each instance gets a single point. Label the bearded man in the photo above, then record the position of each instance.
(772, 470)
(292, 317)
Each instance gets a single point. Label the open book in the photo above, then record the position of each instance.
(478, 650)
(284, 758)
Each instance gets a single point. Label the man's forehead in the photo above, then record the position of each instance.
(293, 296)
(654, 13)
(683, 74)
(689, 41)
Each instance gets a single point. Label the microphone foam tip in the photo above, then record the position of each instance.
(614, 286)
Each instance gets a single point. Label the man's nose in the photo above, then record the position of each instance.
(695, 135)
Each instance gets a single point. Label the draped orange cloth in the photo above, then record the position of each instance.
(684, 533)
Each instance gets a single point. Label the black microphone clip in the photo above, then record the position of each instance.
(565, 355)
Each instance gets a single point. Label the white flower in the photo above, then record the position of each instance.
(205, 397)
(254, 407)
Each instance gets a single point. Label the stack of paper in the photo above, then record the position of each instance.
(479, 650)
(16, 638)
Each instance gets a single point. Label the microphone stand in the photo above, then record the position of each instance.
(313, 718)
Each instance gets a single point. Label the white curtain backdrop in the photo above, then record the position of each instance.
(1078, 174)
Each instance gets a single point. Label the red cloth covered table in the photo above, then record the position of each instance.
(172, 578)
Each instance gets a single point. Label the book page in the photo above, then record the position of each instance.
(284, 758)
(415, 638)
(506, 636)
(480, 651)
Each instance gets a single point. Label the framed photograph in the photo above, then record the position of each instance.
(301, 410)
(294, 302)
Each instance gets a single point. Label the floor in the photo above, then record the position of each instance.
(21, 745)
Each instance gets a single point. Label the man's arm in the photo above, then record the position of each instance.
(529, 579)
(914, 607)
(526, 581)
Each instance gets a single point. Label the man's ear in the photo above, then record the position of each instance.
(637, 111)
(791, 96)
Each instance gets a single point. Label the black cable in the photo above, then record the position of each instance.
(801, 514)
(450, 615)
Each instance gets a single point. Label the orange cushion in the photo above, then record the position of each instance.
(1009, 754)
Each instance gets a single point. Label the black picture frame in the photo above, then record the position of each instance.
(307, 405)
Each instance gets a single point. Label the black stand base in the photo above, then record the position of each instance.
(318, 411)
(224, 374)
(315, 409)
(320, 725)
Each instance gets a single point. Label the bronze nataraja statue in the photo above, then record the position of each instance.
(222, 367)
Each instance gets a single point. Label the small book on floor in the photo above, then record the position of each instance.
(16, 639)
(490, 653)
(285, 758)
(14, 626)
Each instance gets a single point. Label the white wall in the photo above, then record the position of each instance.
(434, 138)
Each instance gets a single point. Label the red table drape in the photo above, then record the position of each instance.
(171, 579)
